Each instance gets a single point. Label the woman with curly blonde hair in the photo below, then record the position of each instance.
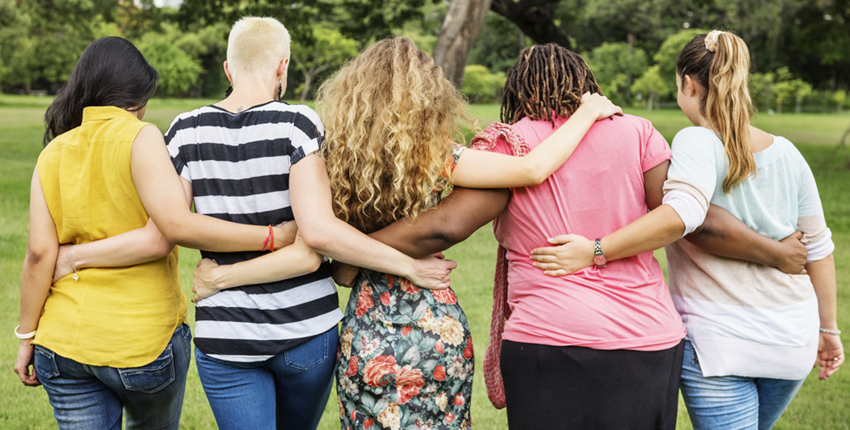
(391, 117)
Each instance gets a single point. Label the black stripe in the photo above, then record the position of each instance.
(233, 153)
(323, 273)
(211, 346)
(293, 314)
(240, 187)
(273, 217)
(249, 118)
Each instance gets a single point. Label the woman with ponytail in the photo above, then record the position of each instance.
(753, 330)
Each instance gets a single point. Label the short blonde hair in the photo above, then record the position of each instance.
(256, 45)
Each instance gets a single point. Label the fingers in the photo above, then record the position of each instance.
(556, 273)
(560, 240)
(451, 264)
(439, 255)
(545, 258)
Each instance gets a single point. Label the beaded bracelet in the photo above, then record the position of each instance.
(828, 331)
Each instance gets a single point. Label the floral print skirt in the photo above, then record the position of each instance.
(405, 359)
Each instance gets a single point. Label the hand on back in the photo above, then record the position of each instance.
(600, 105)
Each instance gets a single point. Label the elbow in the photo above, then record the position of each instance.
(451, 235)
(161, 248)
(312, 261)
(535, 175)
(314, 239)
(37, 255)
(173, 233)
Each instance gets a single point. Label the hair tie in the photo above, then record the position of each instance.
(711, 40)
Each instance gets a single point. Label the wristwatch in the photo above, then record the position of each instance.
(598, 257)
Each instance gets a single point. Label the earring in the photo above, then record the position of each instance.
(279, 92)
(228, 91)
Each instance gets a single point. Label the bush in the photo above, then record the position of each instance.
(479, 84)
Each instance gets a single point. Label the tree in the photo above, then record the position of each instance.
(612, 59)
(329, 49)
(177, 69)
(762, 84)
(652, 85)
(840, 98)
(802, 90)
(480, 84)
(669, 51)
(536, 18)
(461, 25)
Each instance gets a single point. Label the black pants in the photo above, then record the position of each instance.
(571, 387)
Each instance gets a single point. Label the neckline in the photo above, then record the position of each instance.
(246, 110)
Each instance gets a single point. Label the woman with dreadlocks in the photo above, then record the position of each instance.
(544, 88)
(391, 116)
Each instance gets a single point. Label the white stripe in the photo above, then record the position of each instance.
(687, 207)
(240, 358)
(285, 299)
(245, 169)
(790, 326)
(250, 204)
(819, 251)
(251, 331)
(243, 135)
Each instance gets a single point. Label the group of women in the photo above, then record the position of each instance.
(585, 334)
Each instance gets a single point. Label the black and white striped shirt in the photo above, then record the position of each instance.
(238, 165)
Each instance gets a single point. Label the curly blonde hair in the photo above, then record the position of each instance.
(391, 116)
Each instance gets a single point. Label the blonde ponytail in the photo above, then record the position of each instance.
(720, 62)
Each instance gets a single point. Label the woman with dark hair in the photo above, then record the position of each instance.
(113, 337)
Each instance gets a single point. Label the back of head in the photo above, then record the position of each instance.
(256, 46)
(390, 115)
(110, 72)
(720, 62)
(546, 80)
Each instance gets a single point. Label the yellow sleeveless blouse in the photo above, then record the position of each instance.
(119, 317)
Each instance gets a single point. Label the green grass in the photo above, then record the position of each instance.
(821, 405)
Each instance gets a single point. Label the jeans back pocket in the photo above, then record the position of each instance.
(308, 355)
(44, 363)
(150, 378)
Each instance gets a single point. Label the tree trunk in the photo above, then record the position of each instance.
(799, 106)
(649, 102)
(463, 21)
(536, 18)
(308, 78)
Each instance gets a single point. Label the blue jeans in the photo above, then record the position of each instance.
(733, 402)
(94, 397)
(287, 391)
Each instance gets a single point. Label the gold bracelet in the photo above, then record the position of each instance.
(71, 262)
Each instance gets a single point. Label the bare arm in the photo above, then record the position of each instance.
(724, 234)
(830, 349)
(42, 248)
(162, 194)
(456, 217)
(481, 169)
(289, 262)
(310, 194)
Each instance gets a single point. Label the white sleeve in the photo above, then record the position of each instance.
(687, 207)
(821, 249)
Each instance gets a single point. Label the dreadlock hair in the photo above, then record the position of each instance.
(546, 82)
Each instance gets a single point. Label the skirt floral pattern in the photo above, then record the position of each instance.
(405, 360)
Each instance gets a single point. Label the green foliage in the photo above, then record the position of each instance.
(325, 50)
(615, 66)
(498, 45)
(840, 99)
(651, 85)
(479, 84)
(669, 52)
(177, 69)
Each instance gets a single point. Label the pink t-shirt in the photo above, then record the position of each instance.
(600, 189)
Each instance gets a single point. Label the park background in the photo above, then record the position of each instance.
(801, 73)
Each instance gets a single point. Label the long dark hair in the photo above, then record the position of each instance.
(110, 72)
(546, 80)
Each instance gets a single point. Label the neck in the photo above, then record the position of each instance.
(249, 91)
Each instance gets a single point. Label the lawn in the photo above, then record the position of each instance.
(821, 405)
